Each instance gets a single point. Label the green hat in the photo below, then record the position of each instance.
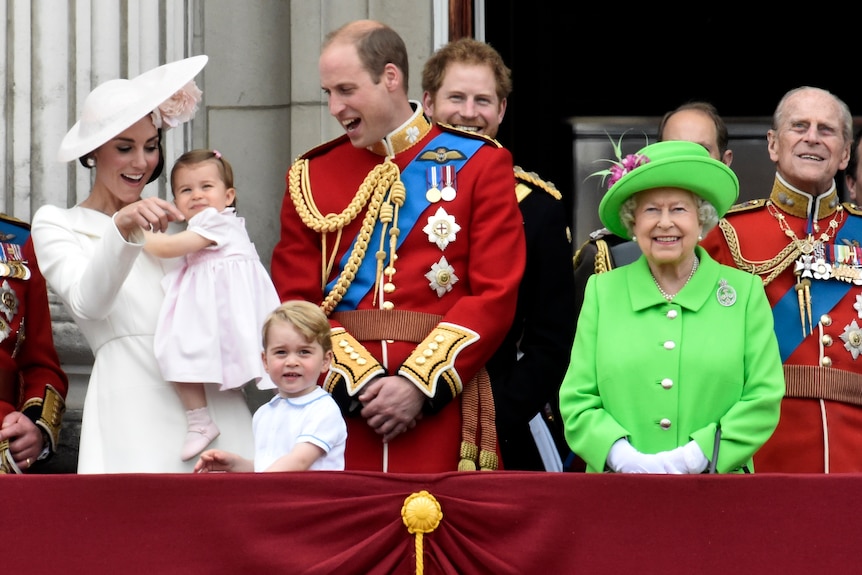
(671, 164)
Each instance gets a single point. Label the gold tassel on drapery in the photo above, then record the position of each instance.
(421, 514)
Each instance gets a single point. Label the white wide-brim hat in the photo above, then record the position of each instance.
(115, 105)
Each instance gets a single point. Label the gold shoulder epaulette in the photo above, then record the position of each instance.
(534, 179)
(853, 208)
(317, 150)
(15, 221)
(452, 129)
(746, 206)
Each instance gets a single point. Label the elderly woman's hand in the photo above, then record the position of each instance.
(623, 458)
(153, 214)
(684, 459)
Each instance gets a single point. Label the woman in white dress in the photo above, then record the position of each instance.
(92, 256)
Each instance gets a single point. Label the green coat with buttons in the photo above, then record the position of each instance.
(663, 373)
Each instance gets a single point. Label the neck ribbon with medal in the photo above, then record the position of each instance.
(823, 259)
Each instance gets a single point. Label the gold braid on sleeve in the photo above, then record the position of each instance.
(51, 419)
(768, 270)
(351, 363)
(371, 193)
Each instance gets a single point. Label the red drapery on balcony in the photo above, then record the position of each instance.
(492, 522)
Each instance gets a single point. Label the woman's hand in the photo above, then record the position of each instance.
(152, 214)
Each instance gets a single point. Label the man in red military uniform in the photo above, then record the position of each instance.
(412, 239)
(467, 84)
(806, 246)
(32, 385)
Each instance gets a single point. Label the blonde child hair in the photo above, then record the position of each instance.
(306, 317)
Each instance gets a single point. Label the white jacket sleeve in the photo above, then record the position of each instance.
(85, 267)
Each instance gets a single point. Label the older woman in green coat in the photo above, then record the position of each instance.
(675, 365)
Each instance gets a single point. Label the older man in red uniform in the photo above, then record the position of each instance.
(412, 238)
(806, 246)
(32, 385)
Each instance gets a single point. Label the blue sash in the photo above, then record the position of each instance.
(413, 177)
(825, 295)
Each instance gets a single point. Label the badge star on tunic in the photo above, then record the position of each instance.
(442, 277)
(441, 228)
(858, 305)
(852, 337)
(8, 301)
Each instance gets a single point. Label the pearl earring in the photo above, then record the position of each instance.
(91, 161)
(699, 238)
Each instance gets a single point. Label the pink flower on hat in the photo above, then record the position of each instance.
(179, 108)
(621, 166)
(629, 163)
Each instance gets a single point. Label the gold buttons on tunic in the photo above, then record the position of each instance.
(826, 320)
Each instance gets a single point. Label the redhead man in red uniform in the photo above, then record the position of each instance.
(410, 237)
(32, 384)
(805, 245)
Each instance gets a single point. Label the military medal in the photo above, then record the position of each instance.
(448, 191)
(12, 263)
(811, 263)
(19, 270)
(846, 264)
(433, 194)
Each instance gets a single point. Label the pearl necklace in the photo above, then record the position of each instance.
(669, 297)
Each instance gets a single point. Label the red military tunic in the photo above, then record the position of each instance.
(31, 379)
(817, 277)
(436, 311)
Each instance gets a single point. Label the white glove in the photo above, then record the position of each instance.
(623, 458)
(685, 459)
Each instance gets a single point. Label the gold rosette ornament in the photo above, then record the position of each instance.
(421, 514)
